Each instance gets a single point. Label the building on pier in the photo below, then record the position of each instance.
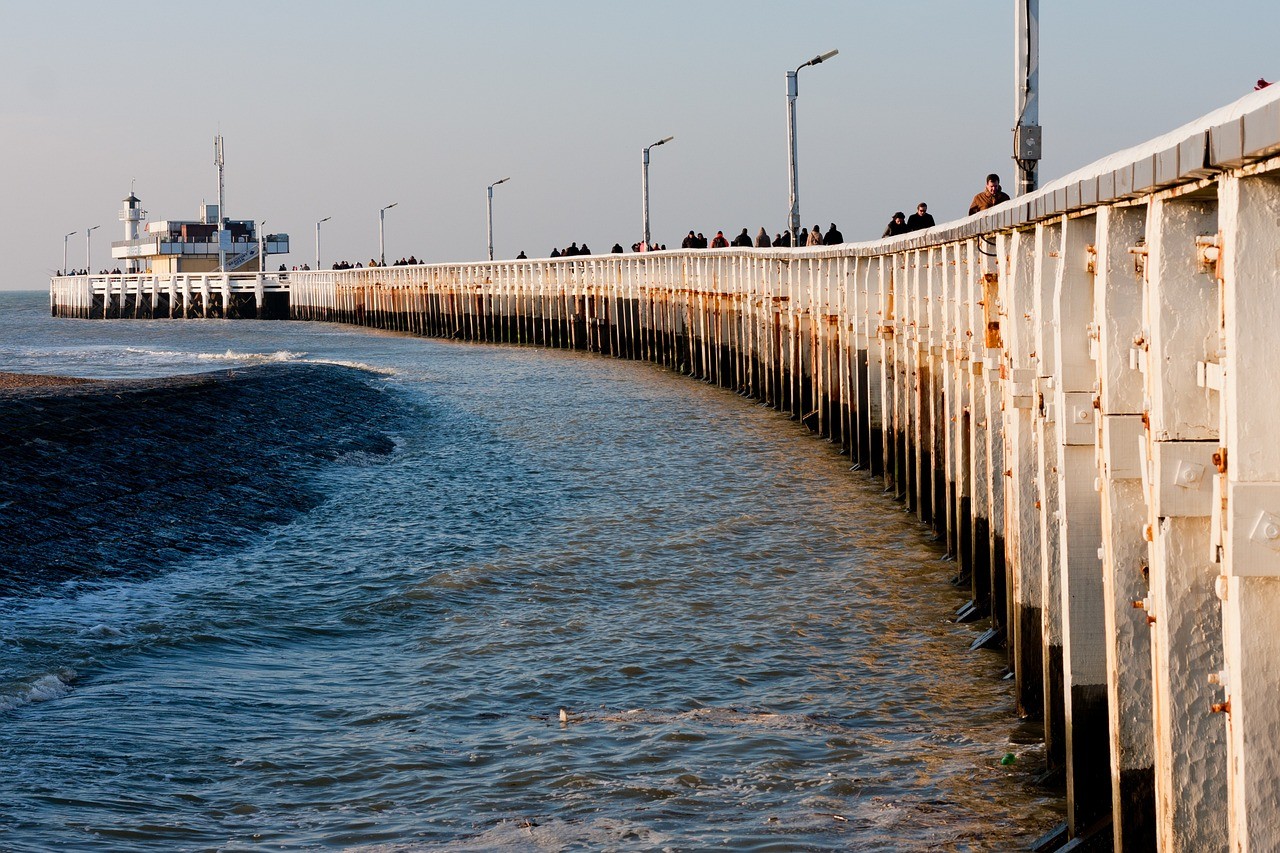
(181, 246)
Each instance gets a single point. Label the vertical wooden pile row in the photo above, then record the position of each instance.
(1080, 410)
(182, 295)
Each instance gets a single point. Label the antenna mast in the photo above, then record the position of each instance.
(222, 241)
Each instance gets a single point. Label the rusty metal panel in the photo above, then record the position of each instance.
(1144, 174)
(1167, 169)
(1090, 192)
(1262, 131)
(1226, 143)
(1123, 178)
(1106, 188)
(1191, 156)
(1073, 192)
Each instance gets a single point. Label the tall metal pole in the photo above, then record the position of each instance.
(382, 245)
(644, 186)
(262, 245)
(64, 251)
(88, 248)
(1026, 102)
(489, 230)
(222, 216)
(326, 219)
(793, 210)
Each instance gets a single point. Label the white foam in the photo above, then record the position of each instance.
(355, 365)
(232, 355)
(43, 689)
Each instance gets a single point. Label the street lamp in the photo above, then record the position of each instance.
(326, 219)
(793, 214)
(64, 251)
(382, 246)
(490, 212)
(88, 245)
(644, 185)
(262, 246)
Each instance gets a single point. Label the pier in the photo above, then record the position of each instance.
(1071, 390)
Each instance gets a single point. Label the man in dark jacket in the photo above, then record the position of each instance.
(897, 225)
(921, 219)
(833, 236)
(690, 241)
(743, 239)
(990, 197)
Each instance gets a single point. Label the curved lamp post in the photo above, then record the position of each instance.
(382, 246)
(326, 219)
(644, 185)
(793, 213)
(88, 247)
(489, 209)
(64, 250)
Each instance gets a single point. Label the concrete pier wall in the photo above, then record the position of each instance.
(1072, 390)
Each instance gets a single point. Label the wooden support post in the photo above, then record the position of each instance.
(1249, 214)
(1022, 525)
(1117, 323)
(1182, 330)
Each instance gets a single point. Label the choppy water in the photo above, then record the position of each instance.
(749, 642)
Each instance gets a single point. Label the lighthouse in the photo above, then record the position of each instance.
(131, 214)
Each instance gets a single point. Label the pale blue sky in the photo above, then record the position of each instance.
(337, 108)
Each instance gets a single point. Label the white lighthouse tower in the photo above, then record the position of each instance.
(132, 215)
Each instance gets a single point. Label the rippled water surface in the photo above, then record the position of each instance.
(749, 642)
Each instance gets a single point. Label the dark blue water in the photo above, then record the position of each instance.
(443, 547)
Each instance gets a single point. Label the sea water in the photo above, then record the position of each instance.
(564, 602)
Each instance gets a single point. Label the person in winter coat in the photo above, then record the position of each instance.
(719, 242)
(921, 219)
(833, 236)
(989, 197)
(815, 237)
(782, 241)
(690, 241)
(743, 239)
(897, 225)
(762, 239)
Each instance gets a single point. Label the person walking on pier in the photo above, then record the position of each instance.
(762, 239)
(989, 197)
(782, 240)
(815, 236)
(833, 236)
(743, 239)
(897, 225)
(921, 219)
(719, 242)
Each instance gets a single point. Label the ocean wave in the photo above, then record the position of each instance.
(276, 357)
(196, 464)
(42, 689)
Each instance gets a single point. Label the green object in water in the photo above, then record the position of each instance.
(1009, 758)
